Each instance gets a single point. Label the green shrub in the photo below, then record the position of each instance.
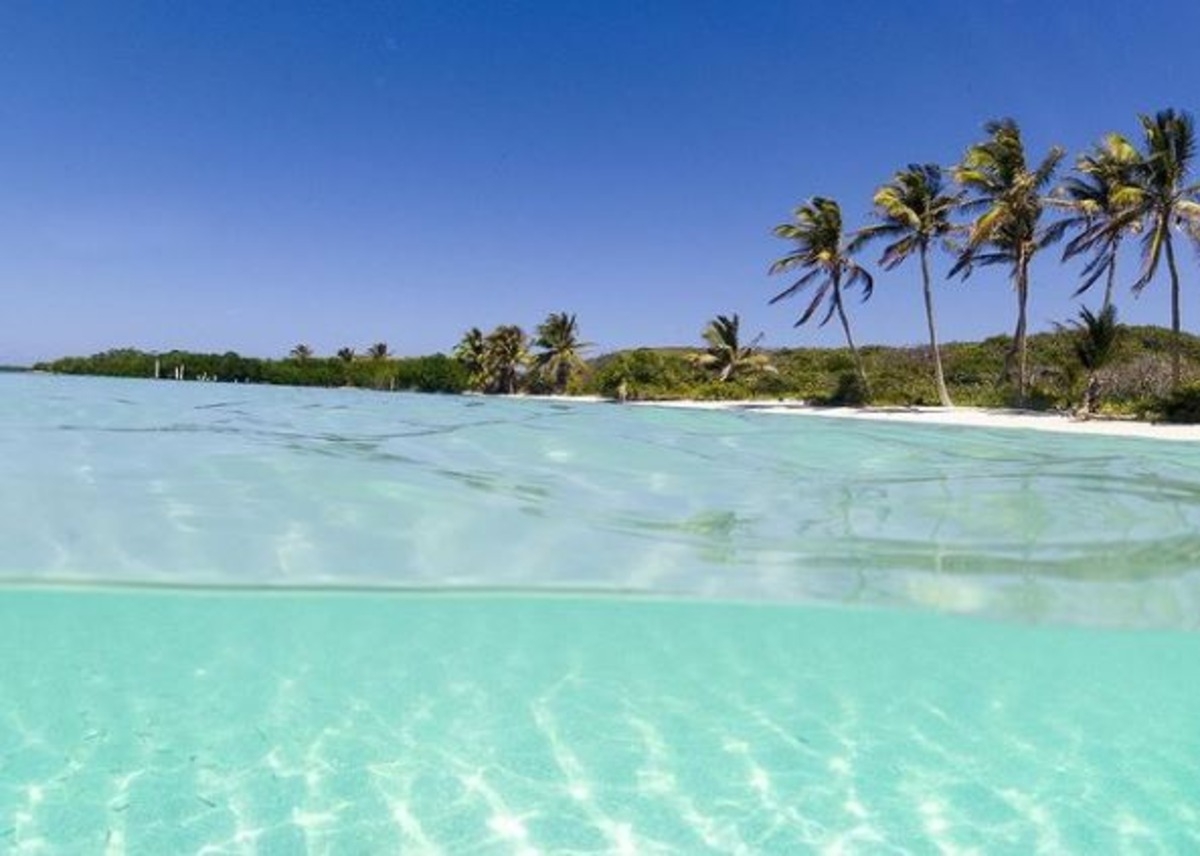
(1182, 405)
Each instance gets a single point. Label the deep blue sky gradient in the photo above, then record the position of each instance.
(248, 176)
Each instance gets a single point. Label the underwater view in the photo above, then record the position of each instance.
(270, 620)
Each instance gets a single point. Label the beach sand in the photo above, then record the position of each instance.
(973, 417)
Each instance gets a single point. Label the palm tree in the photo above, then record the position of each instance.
(504, 356)
(1007, 231)
(301, 353)
(378, 351)
(1094, 200)
(346, 355)
(825, 259)
(1162, 200)
(725, 353)
(558, 338)
(1095, 342)
(914, 211)
(470, 352)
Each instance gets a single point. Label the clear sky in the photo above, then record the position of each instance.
(248, 176)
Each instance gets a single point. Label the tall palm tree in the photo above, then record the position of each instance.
(914, 211)
(1094, 200)
(823, 256)
(1008, 195)
(1163, 200)
(346, 355)
(301, 353)
(504, 356)
(470, 352)
(726, 355)
(559, 357)
(378, 351)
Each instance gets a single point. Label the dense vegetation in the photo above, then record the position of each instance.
(436, 373)
(1134, 379)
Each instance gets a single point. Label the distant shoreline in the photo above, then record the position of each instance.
(965, 417)
(960, 417)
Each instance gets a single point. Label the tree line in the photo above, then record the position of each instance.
(302, 367)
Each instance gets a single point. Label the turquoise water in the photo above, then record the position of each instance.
(243, 620)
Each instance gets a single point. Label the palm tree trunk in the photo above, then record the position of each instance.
(1108, 286)
(1019, 344)
(943, 393)
(1176, 339)
(841, 313)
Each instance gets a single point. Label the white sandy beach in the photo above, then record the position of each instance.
(973, 417)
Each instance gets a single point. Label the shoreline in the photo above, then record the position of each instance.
(956, 417)
(959, 417)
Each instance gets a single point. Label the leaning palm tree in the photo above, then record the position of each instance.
(823, 256)
(1093, 201)
(346, 355)
(301, 353)
(725, 354)
(1164, 200)
(504, 356)
(914, 211)
(470, 352)
(378, 351)
(559, 357)
(1008, 195)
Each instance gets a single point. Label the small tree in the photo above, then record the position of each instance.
(725, 355)
(505, 354)
(470, 352)
(1095, 341)
(559, 357)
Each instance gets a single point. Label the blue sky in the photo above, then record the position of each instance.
(248, 176)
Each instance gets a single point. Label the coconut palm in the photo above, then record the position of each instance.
(726, 355)
(1008, 195)
(823, 256)
(914, 211)
(559, 357)
(378, 351)
(1094, 200)
(346, 355)
(1163, 200)
(504, 356)
(1095, 343)
(301, 353)
(470, 351)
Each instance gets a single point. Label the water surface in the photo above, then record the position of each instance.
(254, 620)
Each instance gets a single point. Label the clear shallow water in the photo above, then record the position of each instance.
(168, 723)
(758, 714)
(139, 482)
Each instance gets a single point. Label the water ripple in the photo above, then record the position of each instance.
(139, 482)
